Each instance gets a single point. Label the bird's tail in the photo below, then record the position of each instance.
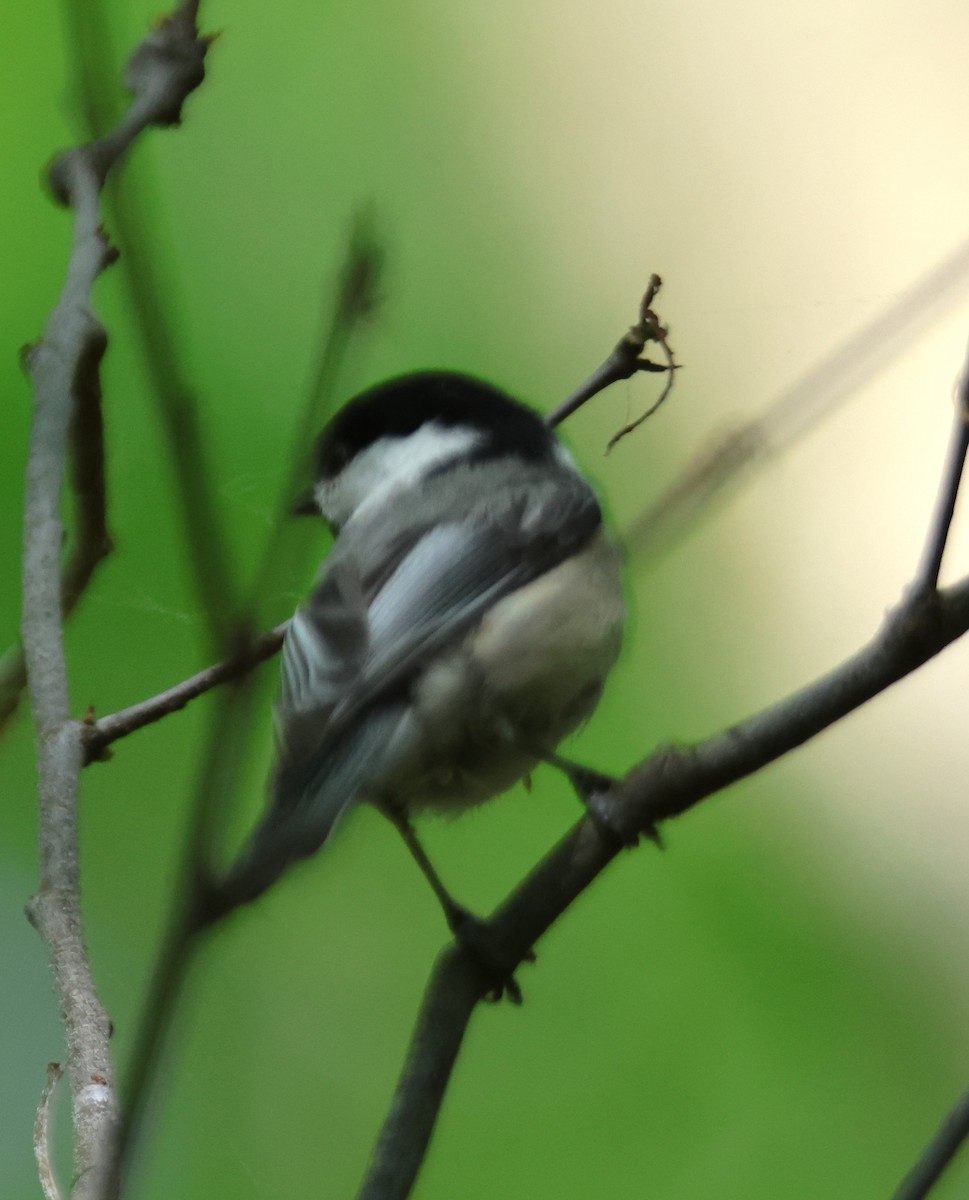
(309, 795)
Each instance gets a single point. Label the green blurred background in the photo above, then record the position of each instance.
(776, 1006)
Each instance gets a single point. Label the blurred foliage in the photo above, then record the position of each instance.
(723, 1019)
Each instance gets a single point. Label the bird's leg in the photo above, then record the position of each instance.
(454, 913)
(469, 930)
(593, 789)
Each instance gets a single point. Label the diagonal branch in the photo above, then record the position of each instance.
(624, 362)
(667, 784)
(943, 1148)
(98, 735)
(670, 782)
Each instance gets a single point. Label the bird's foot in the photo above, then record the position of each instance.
(594, 789)
(477, 939)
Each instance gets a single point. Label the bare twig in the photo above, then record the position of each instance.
(624, 362)
(62, 366)
(937, 1155)
(45, 1168)
(98, 735)
(927, 579)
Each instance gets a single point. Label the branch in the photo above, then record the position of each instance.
(624, 362)
(13, 680)
(668, 783)
(927, 579)
(98, 735)
(63, 367)
(937, 1154)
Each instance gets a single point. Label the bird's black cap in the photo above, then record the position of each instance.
(400, 406)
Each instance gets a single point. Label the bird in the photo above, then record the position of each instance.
(463, 624)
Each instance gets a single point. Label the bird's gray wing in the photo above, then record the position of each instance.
(348, 651)
(452, 575)
(374, 619)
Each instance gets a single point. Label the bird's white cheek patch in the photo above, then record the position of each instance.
(392, 463)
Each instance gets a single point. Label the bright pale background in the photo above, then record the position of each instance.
(776, 1006)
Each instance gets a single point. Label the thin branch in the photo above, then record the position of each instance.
(937, 1155)
(98, 735)
(669, 783)
(45, 1168)
(927, 579)
(453, 992)
(164, 68)
(161, 74)
(625, 361)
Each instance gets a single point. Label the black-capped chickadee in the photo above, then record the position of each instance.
(463, 624)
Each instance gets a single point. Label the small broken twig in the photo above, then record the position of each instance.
(624, 362)
(99, 734)
(927, 580)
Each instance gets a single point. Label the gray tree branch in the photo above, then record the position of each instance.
(98, 735)
(665, 785)
(63, 367)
